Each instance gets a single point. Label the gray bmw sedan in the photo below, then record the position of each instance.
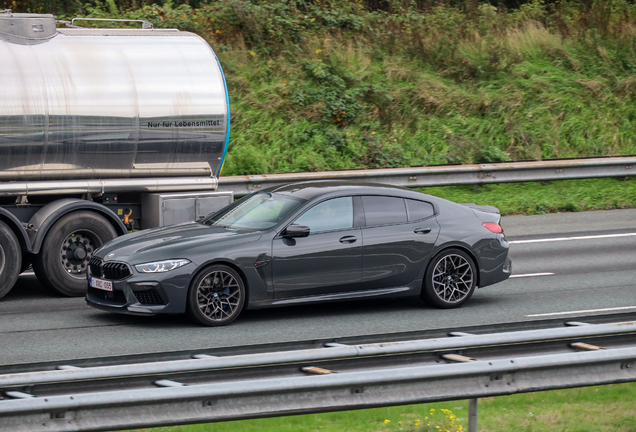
(301, 243)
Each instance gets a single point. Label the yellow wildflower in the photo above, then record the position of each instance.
(387, 421)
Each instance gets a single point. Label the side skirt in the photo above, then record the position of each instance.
(351, 295)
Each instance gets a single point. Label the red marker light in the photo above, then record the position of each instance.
(493, 227)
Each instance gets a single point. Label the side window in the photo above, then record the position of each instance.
(333, 214)
(419, 209)
(382, 210)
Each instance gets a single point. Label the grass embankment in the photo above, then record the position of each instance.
(592, 409)
(546, 197)
(325, 85)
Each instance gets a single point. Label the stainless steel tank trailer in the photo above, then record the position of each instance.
(102, 130)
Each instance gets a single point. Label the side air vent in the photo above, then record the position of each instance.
(149, 297)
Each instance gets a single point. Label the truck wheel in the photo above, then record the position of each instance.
(67, 248)
(10, 259)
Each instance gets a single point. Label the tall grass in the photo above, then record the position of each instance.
(323, 85)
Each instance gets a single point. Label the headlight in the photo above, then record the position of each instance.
(161, 266)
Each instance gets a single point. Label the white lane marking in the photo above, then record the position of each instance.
(573, 238)
(582, 311)
(531, 275)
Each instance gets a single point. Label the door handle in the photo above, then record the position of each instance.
(348, 239)
(422, 230)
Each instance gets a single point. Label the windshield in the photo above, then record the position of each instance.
(260, 211)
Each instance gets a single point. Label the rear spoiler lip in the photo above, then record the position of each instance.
(482, 208)
(485, 213)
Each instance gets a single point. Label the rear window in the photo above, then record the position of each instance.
(382, 210)
(419, 209)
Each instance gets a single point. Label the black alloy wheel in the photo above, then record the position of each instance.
(216, 296)
(450, 279)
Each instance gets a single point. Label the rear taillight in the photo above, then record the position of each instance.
(493, 227)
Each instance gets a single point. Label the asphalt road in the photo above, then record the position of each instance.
(563, 264)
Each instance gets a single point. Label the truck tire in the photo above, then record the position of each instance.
(10, 259)
(67, 249)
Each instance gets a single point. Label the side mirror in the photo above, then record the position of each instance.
(296, 231)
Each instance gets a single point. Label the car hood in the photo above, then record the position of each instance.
(172, 241)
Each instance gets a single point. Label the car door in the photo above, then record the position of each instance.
(398, 236)
(328, 260)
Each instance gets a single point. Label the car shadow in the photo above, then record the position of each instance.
(30, 289)
(349, 309)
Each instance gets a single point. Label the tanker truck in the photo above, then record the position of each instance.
(102, 130)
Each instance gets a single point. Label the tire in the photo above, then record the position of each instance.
(10, 259)
(450, 280)
(67, 249)
(216, 296)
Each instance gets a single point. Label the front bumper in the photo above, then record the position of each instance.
(144, 294)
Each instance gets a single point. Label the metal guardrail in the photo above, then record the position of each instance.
(453, 175)
(332, 352)
(432, 333)
(337, 377)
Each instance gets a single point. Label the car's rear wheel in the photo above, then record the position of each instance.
(216, 296)
(450, 279)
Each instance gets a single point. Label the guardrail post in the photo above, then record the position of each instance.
(472, 415)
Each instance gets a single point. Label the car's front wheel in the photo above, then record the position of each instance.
(450, 279)
(216, 296)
